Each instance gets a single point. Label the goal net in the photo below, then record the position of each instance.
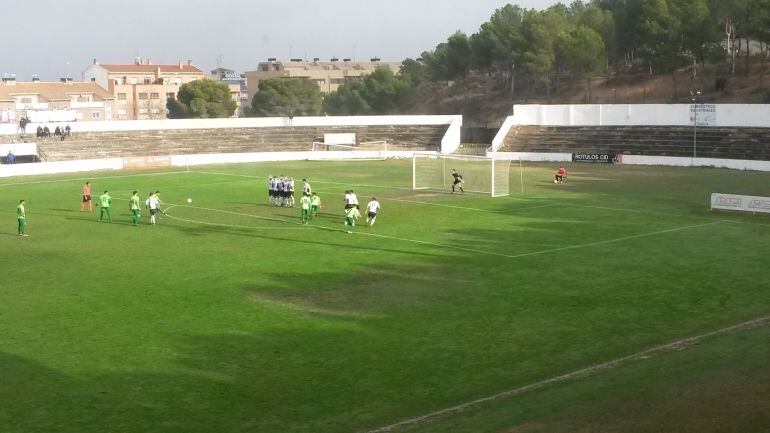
(480, 174)
(371, 146)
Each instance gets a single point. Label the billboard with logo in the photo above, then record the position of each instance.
(745, 203)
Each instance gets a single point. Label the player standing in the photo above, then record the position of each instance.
(152, 204)
(133, 206)
(160, 202)
(290, 191)
(458, 181)
(86, 197)
(271, 190)
(104, 202)
(304, 203)
(306, 187)
(371, 211)
(315, 204)
(21, 218)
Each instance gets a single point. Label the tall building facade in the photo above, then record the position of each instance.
(142, 88)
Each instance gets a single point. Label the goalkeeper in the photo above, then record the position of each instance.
(458, 181)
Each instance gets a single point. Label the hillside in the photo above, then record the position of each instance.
(488, 108)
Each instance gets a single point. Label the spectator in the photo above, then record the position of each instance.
(39, 131)
(46, 131)
(10, 158)
(57, 132)
(23, 125)
(68, 130)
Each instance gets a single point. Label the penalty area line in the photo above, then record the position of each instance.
(587, 371)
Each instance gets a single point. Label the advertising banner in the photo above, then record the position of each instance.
(745, 203)
(594, 158)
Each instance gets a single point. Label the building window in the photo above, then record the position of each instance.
(154, 95)
(147, 80)
(178, 80)
(96, 115)
(125, 80)
(26, 100)
(142, 96)
(121, 96)
(142, 111)
(134, 80)
(170, 96)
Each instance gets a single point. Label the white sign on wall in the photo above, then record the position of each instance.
(706, 114)
(745, 203)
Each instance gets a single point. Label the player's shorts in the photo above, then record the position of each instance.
(372, 214)
(314, 209)
(348, 206)
(457, 182)
(86, 198)
(154, 211)
(270, 192)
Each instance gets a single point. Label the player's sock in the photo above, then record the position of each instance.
(373, 220)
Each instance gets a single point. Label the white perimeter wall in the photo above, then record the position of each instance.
(193, 160)
(737, 164)
(449, 144)
(740, 115)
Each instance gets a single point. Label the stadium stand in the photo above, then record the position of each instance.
(712, 142)
(92, 145)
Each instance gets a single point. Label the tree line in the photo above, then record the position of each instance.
(531, 50)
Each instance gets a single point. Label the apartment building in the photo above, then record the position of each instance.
(237, 84)
(142, 88)
(328, 75)
(63, 101)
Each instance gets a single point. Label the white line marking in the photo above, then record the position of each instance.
(232, 225)
(676, 345)
(94, 178)
(609, 241)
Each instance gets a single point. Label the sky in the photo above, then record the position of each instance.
(55, 38)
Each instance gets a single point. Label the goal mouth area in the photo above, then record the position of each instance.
(480, 175)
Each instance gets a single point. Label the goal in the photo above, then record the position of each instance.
(371, 146)
(480, 173)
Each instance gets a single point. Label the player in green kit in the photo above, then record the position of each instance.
(315, 204)
(304, 204)
(21, 217)
(351, 215)
(104, 202)
(133, 205)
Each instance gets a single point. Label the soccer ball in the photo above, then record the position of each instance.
(189, 201)
(555, 181)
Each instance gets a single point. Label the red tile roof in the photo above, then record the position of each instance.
(152, 68)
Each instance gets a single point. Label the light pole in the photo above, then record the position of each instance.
(695, 124)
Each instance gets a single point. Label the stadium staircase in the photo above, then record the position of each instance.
(92, 145)
(723, 143)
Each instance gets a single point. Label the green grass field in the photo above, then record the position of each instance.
(228, 316)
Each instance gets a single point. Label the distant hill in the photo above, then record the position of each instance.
(482, 106)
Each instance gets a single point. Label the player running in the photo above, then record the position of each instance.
(315, 204)
(133, 206)
(304, 204)
(86, 197)
(21, 218)
(371, 211)
(351, 215)
(160, 202)
(458, 181)
(104, 202)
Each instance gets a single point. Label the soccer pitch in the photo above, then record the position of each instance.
(549, 310)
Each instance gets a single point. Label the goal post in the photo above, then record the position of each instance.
(380, 146)
(480, 174)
